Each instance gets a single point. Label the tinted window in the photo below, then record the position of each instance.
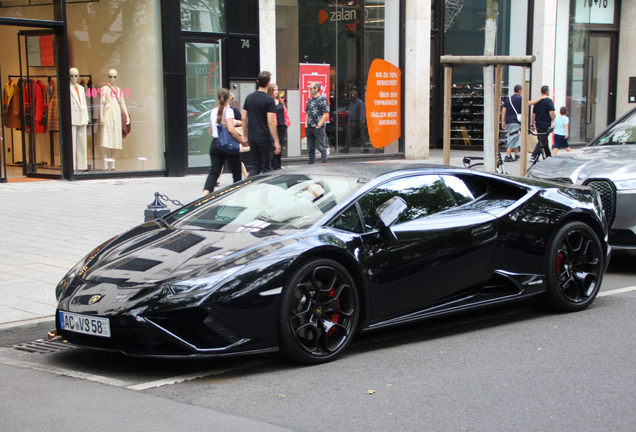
(349, 220)
(424, 195)
(460, 191)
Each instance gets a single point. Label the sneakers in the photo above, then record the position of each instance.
(508, 158)
(517, 156)
(532, 159)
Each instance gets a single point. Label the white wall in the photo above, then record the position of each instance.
(417, 76)
(543, 46)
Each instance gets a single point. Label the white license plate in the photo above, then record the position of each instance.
(85, 324)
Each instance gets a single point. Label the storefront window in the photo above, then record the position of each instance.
(116, 48)
(464, 34)
(589, 60)
(203, 16)
(349, 36)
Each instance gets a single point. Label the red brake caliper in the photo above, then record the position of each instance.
(335, 316)
(559, 262)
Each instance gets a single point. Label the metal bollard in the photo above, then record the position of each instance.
(156, 209)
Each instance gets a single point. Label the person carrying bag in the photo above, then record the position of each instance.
(226, 142)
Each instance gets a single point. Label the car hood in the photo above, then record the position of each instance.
(148, 256)
(612, 162)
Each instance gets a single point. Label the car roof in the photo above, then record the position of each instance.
(365, 169)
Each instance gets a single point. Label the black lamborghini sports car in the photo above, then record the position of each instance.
(303, 258)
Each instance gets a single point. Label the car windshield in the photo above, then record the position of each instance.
(621, 133)
(282, 201)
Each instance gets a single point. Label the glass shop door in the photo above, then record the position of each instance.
(36, 85)
(601, 90)
(203, 79)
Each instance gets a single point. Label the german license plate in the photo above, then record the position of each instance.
(90, 325)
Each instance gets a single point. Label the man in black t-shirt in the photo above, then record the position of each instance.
(259, 124)
(542, 116)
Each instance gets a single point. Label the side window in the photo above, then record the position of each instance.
(424, 195)
(460, 191)
(349, 220)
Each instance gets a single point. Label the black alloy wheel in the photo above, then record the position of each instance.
(318, 313)
(575, 267)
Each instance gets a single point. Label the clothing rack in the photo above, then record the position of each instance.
(49, 78)
(31, 78)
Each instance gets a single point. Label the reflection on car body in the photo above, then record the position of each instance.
(300, 261)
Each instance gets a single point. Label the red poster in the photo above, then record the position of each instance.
(312, 73)
(47, 52)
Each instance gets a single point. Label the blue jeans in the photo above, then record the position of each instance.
(316, 138)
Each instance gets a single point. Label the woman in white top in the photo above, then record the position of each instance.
(223, 114)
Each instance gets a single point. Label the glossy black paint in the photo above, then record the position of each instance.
(488, 250)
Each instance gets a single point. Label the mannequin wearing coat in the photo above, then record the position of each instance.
(79, 120)
(111, 106)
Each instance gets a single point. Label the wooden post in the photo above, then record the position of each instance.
(497, 107)
(448, 85)
(525, 113)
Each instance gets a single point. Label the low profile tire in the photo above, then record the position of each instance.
(318, 312)
(575, 267)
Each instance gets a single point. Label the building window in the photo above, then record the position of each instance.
(116, 48)
(203, 16)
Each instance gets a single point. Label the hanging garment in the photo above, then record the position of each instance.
(7, 94)
(13, 118)
(111, 114)
(27, 91)
(53, 121)
(39, 90)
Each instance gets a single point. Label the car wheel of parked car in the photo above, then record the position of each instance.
(575, 267)
(318, 313)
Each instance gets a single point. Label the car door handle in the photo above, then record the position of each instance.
(481, 230)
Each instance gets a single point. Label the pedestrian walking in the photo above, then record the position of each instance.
(511, 121)
(561, 131)
(282, 123)
(355, 117)
(542, 116)
(223, 115)
(317, 110)
(259, 124)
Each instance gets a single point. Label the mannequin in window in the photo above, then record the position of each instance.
(79, 120)
(111, 108)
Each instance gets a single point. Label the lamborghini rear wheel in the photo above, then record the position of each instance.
(575, 267)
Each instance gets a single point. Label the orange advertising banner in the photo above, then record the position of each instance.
(384, 103)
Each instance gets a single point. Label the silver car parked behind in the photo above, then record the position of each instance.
(608, 164)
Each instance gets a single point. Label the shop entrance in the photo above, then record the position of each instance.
(203, 79)
(601, 83)
(30, 119)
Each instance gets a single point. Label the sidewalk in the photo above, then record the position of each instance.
(47, 227)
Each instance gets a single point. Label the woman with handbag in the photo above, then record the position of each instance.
(222, 121)
(282, 123)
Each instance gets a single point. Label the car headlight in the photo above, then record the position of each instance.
(625, 184)
(206, 283)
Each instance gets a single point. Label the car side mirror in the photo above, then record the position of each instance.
(388, 213)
